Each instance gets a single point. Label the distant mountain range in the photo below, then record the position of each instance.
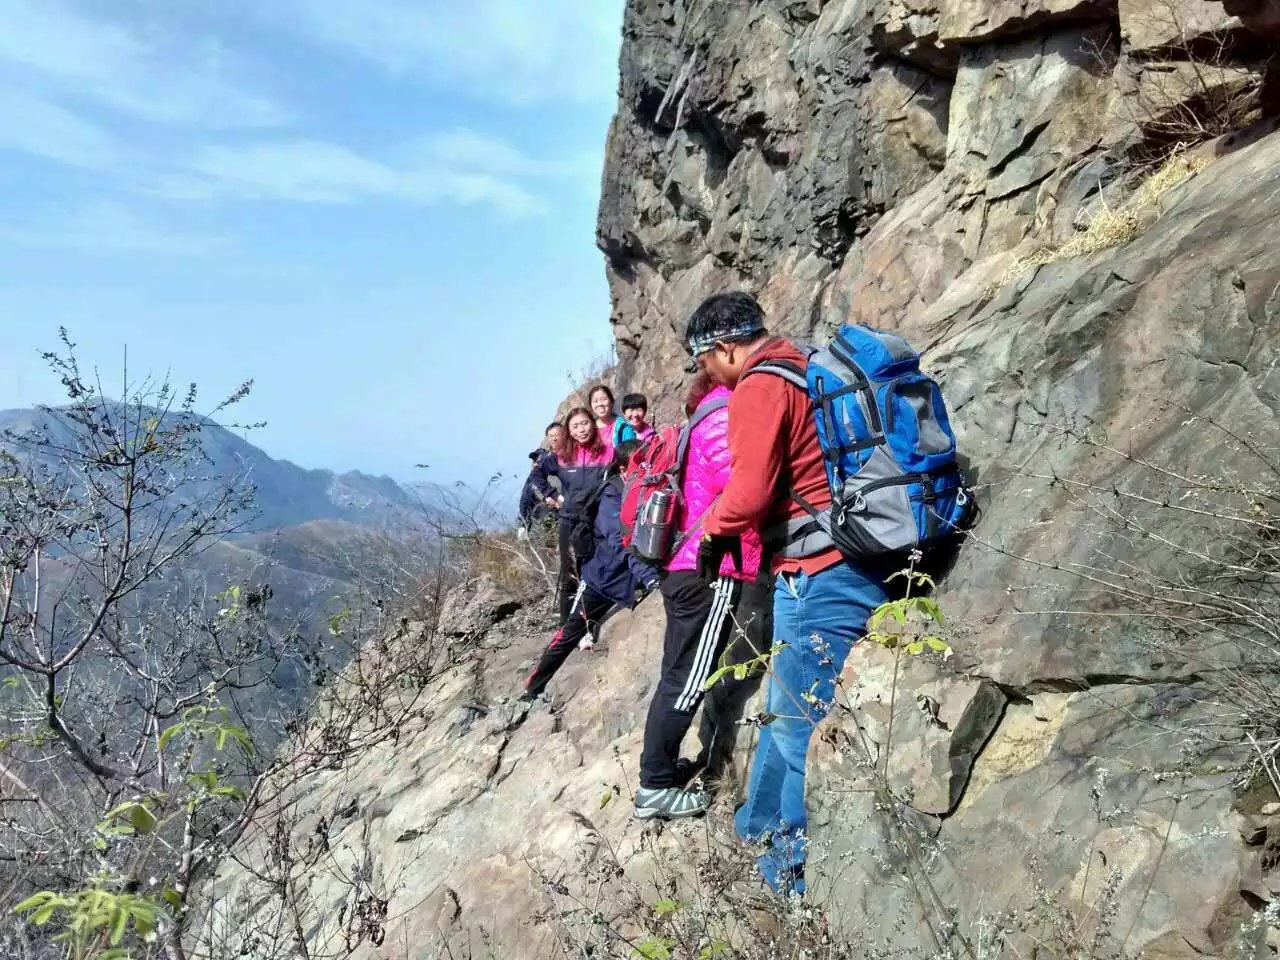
(323, 541)
(310, 531)
(286, 494)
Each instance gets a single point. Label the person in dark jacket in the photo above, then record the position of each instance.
(580, 465)
(539, 500)
(610, 579)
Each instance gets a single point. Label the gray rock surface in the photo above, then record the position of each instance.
(470, 823)
(1171, 24)
(476, 605)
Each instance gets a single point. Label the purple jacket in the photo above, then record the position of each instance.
(706, 471)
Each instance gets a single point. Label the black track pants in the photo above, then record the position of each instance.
(570, 568)
(587, 610)
(726, 702)
(700, 623)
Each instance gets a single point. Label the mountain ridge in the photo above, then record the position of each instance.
(286, 494)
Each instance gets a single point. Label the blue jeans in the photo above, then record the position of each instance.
(819, 618)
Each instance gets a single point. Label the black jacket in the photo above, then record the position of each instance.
(536, 487)
(579, 484)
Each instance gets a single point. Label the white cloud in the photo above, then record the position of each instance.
(36, 127)
(156, 71)
(301, 170)
(490, 154)
(515, 51)
(314, 171)
(108, 226)
(461, 168)
(144, 94)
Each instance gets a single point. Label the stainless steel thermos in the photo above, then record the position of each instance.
(654, 521)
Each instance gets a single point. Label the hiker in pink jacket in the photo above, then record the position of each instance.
(706, 471)
(580, 462)
(705, 612)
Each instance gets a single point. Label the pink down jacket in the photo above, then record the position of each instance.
(706, 471)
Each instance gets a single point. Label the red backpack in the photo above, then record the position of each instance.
(652, 501)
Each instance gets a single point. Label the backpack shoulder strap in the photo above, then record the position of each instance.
(704, 411)
(781, 368)
(592, 500)
(620, 429)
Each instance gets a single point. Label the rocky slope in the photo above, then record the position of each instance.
(487, 828)
(1068, 778)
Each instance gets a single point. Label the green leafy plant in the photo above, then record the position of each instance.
(917, 619)
(93, 923)
(230, 598)
(131, 817)
(744, 669)
(338, 622)
(655, 948)
(196, 722)
(664, 908)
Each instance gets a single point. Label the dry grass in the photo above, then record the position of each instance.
(514, 563)
(1111, 227)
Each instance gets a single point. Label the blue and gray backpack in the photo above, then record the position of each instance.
(889, 448)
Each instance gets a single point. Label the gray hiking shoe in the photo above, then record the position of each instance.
(670, 803)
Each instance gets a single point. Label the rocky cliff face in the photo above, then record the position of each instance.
(1069, 781)
(907, 164)
(857, 158)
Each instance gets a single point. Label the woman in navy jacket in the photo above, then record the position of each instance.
(580, 464)
(610, 579)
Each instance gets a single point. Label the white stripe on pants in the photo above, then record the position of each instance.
(721, 607)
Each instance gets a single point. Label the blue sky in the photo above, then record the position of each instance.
(381, 211)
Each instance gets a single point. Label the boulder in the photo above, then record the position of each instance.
(940, 723)
(1172, 25)
(471, 608)
(1064, 799)
(971, 21)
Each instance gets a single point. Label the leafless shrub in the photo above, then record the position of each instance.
(148, 721)
(593, 370)
(479, 540)
(1189, 84)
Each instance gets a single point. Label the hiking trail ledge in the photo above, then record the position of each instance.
(892, 161)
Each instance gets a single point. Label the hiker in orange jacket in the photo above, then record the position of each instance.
(821, 600)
